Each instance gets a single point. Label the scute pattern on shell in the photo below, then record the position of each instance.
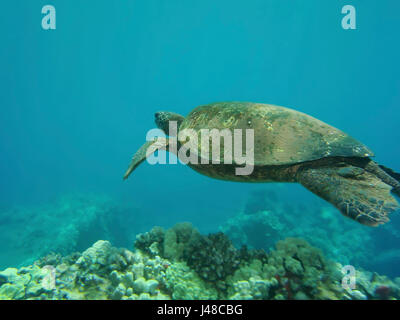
(282, 135)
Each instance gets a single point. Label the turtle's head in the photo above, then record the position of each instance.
(163, 118)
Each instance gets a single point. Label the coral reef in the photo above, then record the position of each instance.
(213, 257)
(267, 218)
(74, 222)
(174, 264)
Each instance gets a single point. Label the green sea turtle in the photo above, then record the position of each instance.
(290, 146)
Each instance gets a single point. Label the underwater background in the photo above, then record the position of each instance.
(77, 102)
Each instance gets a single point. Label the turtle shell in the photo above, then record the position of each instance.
(281, 135)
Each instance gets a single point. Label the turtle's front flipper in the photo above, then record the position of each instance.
(357, 193)
(145, 151)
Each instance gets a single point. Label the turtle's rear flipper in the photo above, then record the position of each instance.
(394, 175)
(358, 194)
(391, 172)
(145, 151)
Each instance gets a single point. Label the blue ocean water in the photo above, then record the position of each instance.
(77, 102)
